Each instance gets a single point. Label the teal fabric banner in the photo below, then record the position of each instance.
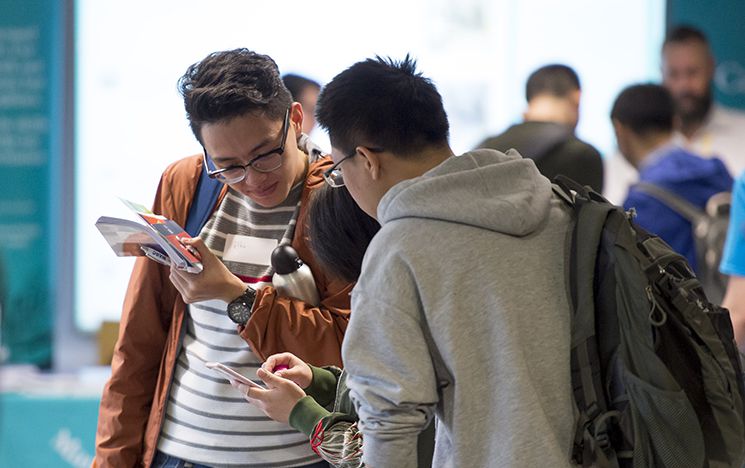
(31, 76)
(722, 22)
(47, 431)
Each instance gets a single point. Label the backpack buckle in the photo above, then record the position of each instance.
(601, 429)
(602, 439)
(583, 439)
(592, 441)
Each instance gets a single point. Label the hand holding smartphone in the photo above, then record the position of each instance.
(231, 374)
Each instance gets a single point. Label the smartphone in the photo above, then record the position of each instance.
(231, 373)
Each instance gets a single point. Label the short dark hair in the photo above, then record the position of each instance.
(383, 103)
(645, 109)
(684, 33)
(230, 84)
(555, 80)
(296, 84)
(339, 231)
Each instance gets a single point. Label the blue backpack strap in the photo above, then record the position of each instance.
(205, 197)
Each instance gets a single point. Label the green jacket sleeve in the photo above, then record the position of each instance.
(332, 429)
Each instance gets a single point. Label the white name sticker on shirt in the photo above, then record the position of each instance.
(248, 249)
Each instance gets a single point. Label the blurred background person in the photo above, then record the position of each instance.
(305, 91)
(701, 125)
(546, 134)
(642, 117)
(733, 262)
(707, 128)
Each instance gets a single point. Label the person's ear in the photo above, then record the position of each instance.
(575, 97)
(618, 129)
(296, 118)
(625, 139)
(371, 161)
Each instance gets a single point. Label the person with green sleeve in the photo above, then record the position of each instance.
(315, 400)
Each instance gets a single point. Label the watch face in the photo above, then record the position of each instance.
(239, 312)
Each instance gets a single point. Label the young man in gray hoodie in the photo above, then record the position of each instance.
(462, 309)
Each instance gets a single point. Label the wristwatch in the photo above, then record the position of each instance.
(239, 309)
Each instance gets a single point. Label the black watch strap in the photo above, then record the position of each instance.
(239, 309)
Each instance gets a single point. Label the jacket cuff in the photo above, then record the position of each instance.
(306, 414)
(323, 386)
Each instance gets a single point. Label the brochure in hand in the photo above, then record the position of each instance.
(153, 236)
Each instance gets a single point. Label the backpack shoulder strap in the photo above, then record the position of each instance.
(591, 212)
(205, 197)
(678, 204)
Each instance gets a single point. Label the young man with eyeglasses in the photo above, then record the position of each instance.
(461, 310)
(163, 406)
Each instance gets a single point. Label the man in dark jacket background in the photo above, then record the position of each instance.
(547, 132)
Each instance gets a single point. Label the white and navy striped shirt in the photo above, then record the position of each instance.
(207, 421)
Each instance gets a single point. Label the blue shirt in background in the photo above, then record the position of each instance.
(733, 259)
(690, 177)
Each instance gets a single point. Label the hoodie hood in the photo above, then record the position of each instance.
(683, 172)
(482, 188)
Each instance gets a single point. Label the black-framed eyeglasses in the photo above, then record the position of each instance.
(333, 175)
(265, 162)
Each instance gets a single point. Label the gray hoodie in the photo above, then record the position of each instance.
(462, 311)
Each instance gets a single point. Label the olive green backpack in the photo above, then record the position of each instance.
(656, 374)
